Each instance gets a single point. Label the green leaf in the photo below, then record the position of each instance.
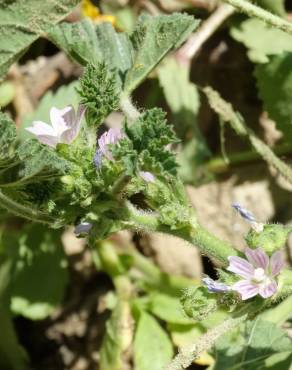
(12, 355)
(260, 47)
(41, 274)
(275, 6)
(152, 346)
(117, 338)
(250, 350)
(7, 137)
(152, 39)
(86, 42)
(168, 309)
(183, 99)
(133, 57)
(24, 21)
(274, 80)
(227, 114)
(7, 92)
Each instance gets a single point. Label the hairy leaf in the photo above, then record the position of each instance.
(7, 137)
(249, 350)
(152, 39)
(260, 47)
(23, 21)
(274, 80)
(227, 114)
(133, 57)
(152, 347)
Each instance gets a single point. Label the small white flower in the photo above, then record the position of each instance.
(64, 129)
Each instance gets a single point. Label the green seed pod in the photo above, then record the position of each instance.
(198, 303)
(272, 238)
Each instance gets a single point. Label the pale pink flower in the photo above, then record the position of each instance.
(64, 128)
(112, 136)
(258, 273)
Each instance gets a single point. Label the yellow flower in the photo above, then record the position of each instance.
(92, 11)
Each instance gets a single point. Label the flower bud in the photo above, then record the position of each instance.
(198, 303)
(272, 238)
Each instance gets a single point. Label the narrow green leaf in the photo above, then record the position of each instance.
(12, 355)
(117, 338)
(152, 346)
(23, 21)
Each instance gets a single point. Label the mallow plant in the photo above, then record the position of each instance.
(73, 171)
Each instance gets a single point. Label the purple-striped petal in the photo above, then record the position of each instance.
(269, 289)
(240, 267)
(257, 257)
(276, 263)
(246, 289)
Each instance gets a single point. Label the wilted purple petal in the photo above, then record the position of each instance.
(244, 213)
(257, 257)
(276, 263)
(147, 176)
(112, 136)
(215, 286)
(246, 289)
(268, 289)
(240, 267)
(83, 228)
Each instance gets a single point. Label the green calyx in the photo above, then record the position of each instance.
(198, 303)
(272, 238)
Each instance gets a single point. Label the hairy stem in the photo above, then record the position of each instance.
(128, 108)
(258, 12)
(189, 353)
(23, 210)
(195, 234)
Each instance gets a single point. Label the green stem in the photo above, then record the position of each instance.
(195, 234)
(189, 353)
(23, 210)
(219, 165)
(258, 12)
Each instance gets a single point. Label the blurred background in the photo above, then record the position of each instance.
(62, 295)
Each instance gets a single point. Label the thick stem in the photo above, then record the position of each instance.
(128, 108)
(258, 12)
(189, 353)
(195, 234)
